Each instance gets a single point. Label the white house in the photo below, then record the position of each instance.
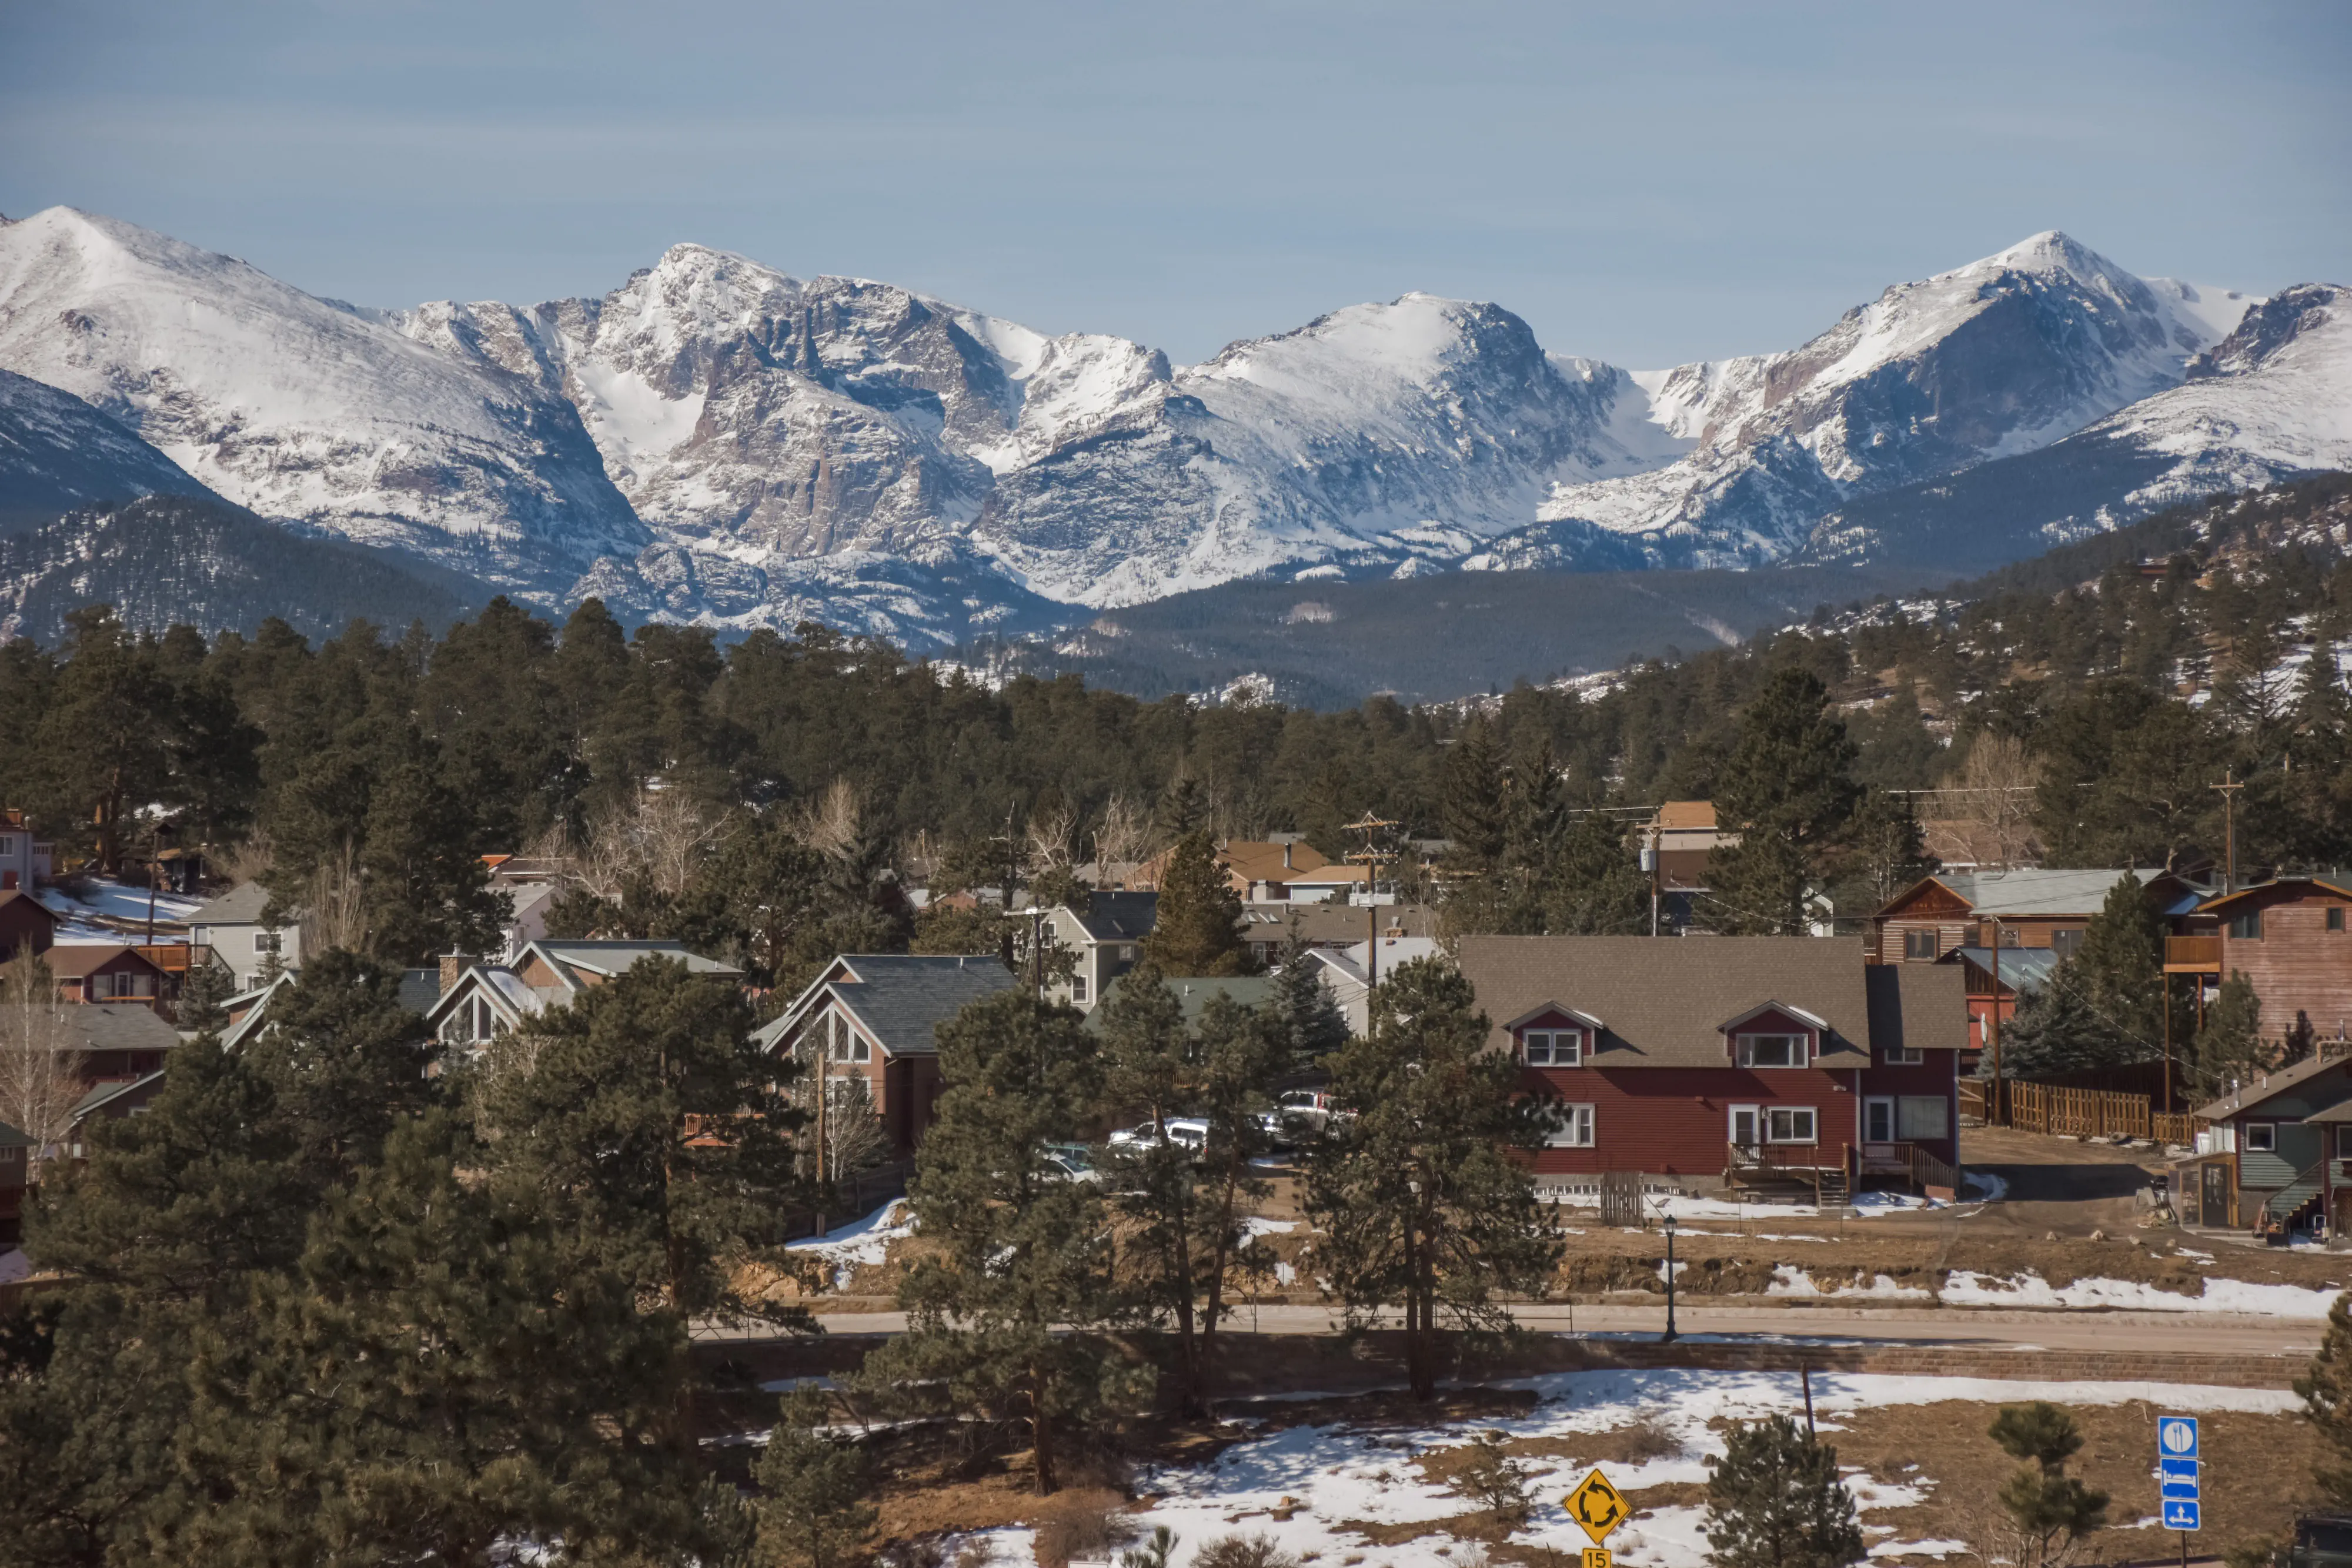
(23, 863)
(231, 926)
(1108, 939)
(1348, 974)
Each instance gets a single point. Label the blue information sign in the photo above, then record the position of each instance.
(2176, 1465)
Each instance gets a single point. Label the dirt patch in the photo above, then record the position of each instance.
(2258, 1469)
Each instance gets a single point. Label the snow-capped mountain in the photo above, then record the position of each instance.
(717, 440)
(59, 455)
(299, 408)
(2000, 357)
(2271, 400)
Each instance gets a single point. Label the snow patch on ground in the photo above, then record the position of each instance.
(1965, 1287)
(866, 1241)
(1790, 1280)
(1323, 1476)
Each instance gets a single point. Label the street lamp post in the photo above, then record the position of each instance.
(1669, 1336)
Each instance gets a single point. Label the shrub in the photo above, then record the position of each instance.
(1083, 1525)
(1242, 1551)
(1494, 1481)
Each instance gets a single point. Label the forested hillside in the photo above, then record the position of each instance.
(390, 760)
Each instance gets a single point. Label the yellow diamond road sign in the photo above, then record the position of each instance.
(1597, 1507)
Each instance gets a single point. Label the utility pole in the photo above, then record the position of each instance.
(2229, 789)
(1999, 1100)
(1371, 859)
(1657, 871)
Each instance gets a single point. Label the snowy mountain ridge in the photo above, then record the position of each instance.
(718, 440)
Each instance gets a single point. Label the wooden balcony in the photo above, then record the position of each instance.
(2192, 954)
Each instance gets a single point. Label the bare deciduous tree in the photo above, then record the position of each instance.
(854, 1138)
(334, 913)
(1123, 841)
(1053, 840)
(1994, 806)
(42, 1067)
(661, 835)
(829, 824)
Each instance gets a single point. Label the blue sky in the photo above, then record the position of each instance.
(1646, 183)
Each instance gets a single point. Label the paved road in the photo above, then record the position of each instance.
(2200, 1334)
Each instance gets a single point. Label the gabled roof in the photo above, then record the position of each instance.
(1119, 916)
(508, 996)
(607, 959)
(899, 999)
(1554, 1009)
(2268, 1086)
(107, 1093)
(79, 960)
(1810, 1020)
(240, 906)
(16, 896)
(2323, 884)
(1666, 999)
(1350, 963)
(2022, 893)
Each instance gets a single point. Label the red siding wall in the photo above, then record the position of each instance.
(1669, 1121)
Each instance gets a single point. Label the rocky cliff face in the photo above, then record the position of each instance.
(59, 455)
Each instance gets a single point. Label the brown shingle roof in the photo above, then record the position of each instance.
(76, 960)
(1664, 1000)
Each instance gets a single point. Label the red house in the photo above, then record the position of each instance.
(1759, 1063)
(871, 1016)
(26, 925)
(102, 972)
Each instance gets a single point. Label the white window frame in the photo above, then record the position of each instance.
(1744, 1051)
(1755, 1114)
(1811, 1114)
(1875, 1103)
(1571, 1127)
(1561, 1047)
(1079, 988)
(1904, 1106)
(2267, 1134)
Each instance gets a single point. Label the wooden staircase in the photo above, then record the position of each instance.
(2292, 1206)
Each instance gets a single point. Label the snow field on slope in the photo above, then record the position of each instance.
(1334, 1474)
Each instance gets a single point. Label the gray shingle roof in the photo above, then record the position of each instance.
(1919, 1005)
(1120, 917)
(10, 1138)
(1664, 999)
(2267, 1086)
(615, 956)
(240, 906)
(109, 1026)
(901, 999)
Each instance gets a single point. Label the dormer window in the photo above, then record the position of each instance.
(1770, 1049)
(1554, 1047)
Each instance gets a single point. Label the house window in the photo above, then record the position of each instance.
(265, 941)
(1923, 1116)
(1903, 1056)
(1079, 989)
(2066, 944)
(2336, 917)
(2011, 936)
(2261, 1137)
(1772, 1050)
(1789, 1124)
(1878, 1121)
(1919, 944)
(1555, 1048)
(1571, 1127)
(2247, 927)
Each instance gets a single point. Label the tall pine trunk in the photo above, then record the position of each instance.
(1041, 1433)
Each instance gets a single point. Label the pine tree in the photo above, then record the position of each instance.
(2327, 1391)
(345, 1060)
(440, 1375)
(1787, 790)
(1476, 812)
(604, 1109)
(2229, 1048)
(1198, 929)
(999, 1318)
(1774, 1500)
(2120, 968)
(1306, 1014)
(2048, 1510)
(1593, 886)
(206, 985)
(1423, 1188)
(813, 1492)
(2057, 1028)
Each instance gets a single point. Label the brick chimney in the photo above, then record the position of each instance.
(453, 964)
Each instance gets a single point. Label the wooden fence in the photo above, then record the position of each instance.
(2082, 1112)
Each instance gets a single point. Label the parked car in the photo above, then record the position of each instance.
(1307, 1110)
(1070, 1162)
(1189, 1131)
(2321, 1541)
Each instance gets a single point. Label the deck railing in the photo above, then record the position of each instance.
(2192, 954)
